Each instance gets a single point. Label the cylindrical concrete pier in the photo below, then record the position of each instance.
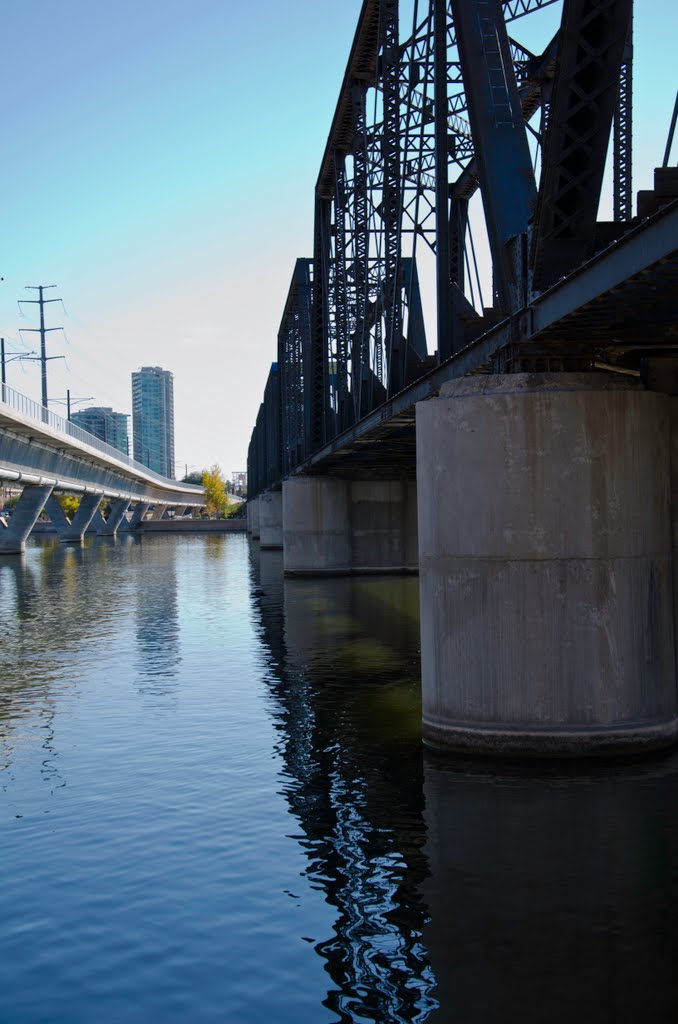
(545, 566)
(270, 519)
(253, 518)
(339, 526)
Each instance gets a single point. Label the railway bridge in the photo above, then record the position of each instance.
(521, 454)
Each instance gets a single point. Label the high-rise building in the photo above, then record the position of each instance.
(153, 419)
(111, 427)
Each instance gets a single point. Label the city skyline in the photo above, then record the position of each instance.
(178, 190)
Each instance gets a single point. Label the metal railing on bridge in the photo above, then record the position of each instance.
(34, 410)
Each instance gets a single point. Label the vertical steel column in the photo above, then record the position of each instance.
(443, 297)
(360, 360)
(623, 136)
(391, 211)
(316, 392)
(340, 296)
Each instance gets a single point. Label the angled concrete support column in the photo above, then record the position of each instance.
(140, 510)
(335, 526)
(545, 566)
(72, 532)
(116, 515)
(270, 519)
(157, 512)
(97, 523)
(28, 508)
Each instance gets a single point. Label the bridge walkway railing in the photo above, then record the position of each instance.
(27, 407)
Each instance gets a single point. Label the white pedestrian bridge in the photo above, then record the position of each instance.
(45, 455)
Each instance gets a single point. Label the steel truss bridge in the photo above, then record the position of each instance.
(455, 134)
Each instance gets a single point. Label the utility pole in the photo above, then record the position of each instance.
(4, 359)
(41, 330)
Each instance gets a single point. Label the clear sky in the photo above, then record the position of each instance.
(159, 165)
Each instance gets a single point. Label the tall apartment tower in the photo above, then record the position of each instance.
(105, 424)
(153, 419)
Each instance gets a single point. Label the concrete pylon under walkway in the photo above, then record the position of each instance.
(140, 510)
(335, 526)
(109, 527)
(73, 531)
(28, 508)
(545, 566)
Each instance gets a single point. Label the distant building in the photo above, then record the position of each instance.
(111, 427)
(153, 419)
(239, 481)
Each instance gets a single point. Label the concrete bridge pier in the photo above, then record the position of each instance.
(109, 527)
(335, 526)
(269, 505)
(546, 566)
(29, 506)
(73, 531)
(253, 518)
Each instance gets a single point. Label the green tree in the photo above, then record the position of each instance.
(70, 504)
(214, 484)
(194, 478)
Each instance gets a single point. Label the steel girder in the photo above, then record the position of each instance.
(425, 118)
(585, 94)
(500, 139)
(295, 340)
(623, 136)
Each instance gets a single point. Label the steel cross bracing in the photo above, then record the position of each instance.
(442, 100)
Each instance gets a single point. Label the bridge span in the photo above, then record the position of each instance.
(524, 461)
(45, 455)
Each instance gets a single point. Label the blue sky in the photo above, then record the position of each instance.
(159, 164)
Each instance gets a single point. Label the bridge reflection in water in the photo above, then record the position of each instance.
(465, 892)
(143, 812)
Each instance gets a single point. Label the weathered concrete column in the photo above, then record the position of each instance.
(270, 519)
(110, 526)
(72, 532)
(253, 517)
(24, 517)
(333, 526)
(545, 566)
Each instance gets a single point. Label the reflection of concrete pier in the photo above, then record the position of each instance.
(549, 895)
(345, 705)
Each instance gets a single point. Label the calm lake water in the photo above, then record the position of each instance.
(216, 808)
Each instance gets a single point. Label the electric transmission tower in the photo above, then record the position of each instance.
(41, 330)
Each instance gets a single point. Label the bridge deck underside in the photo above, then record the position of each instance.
(619, 308)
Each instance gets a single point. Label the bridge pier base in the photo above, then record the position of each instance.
(269, 505)
(73, 531)
(28, 508)
(335, 526)
(545, 566)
